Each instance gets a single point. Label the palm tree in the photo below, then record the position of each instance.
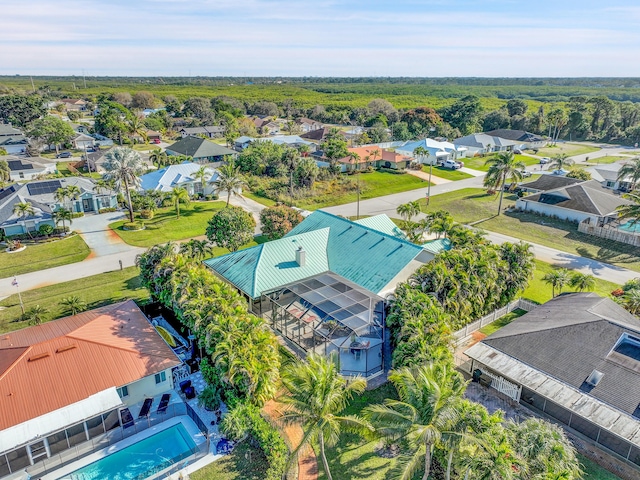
(318, 394)
(631, 211)
(124, 167)
(429, 402)
(36, 314)
(409, 210)
(503, 167)
(159, 157)
(61, 195)
(631, 300)
(24, 210)
(582, 281)
(560, 161)
(179, 195)
(73, 304)
(229, 180)
(355, 158)
(197, 249)
(136, 126)
(631, 171)
(73, 192)
(61, 215)
(5, 171)
(558, 278)
(203, 174)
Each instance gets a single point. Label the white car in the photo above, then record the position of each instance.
(560, 171)
(544, 160)
(525, 173)
(452, 164)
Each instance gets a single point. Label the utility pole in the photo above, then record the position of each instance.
(15, 284)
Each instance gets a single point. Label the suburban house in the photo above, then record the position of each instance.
(607, 175)
(168, 178)
(200, 149)
(41, 195)
(242, 142)
(150, 111)
(319, 134)
(523, 140)
(323, 285)
(374, 156)
(12, 139)
(439, 152)
(72, 380)
(26, 168)
(209, 131)
(153, 136)
(266, 125)
(77, 105)
(82, 141)
(79, 127)
(576, 201)
(576, 359)
(308, 125)
(482, 143)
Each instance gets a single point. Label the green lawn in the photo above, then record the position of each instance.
(40, 257)
(502, 321)
(95, 291)
(267, 202)
(446, 173)
(570, 149)
(144, 147)
(593, 471)
(474, 204)
(63, 169)
(479, 163)
(235, 466)
(166, 227)
(603, 160)
(374, 184)
(540, 292)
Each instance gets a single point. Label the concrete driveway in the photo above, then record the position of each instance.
(95, 232)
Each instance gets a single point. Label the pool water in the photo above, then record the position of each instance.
(630, 227)
(142, 459)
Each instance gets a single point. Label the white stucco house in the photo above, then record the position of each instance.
(168, 178)
(438, 151)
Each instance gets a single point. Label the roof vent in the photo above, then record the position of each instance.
(66, 348)
(39, 356)
(301, 256)
(594, 378)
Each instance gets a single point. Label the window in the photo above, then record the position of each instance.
(161, 377)
(21, 174)
(123, 391)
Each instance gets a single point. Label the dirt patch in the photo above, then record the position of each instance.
(91, 255)
(425, 176)
(113, 237)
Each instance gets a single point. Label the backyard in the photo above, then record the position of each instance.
(374, 184)
(474, 205)
(95, 291)
(244, 463)
(46, 255)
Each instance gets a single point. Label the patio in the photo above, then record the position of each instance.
(326, 314)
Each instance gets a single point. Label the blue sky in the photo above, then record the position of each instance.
(321, 38)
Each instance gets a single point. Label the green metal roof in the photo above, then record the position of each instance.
(437, 246)
(384, 224)
(268, 266)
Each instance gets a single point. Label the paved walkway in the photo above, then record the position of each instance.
(307, 461)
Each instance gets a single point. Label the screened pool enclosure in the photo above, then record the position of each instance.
(326, 313)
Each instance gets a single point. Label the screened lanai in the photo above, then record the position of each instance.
(326, 313)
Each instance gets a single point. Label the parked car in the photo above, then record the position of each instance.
(544, 160)
(517, 151)
(525, 173)
(560, 171)
(156, 141)
(64, 155)
(452, 164)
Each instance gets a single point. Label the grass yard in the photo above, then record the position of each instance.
(267, 202)
(165, 226)
(40, 257)
(540, 292)
(502, 321)
(474, 204)
(479, 163)
(144, 147)
(95, 291)
(604, 160)
(374, 184)
(593, 471)
(570, 149)
(446, 173)
(235, 466)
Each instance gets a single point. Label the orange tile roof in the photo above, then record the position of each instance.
(47, 367)
(383, 154)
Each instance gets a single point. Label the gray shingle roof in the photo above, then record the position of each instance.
(569, 337)
(515, 135)
(197, 147)
(550, 182)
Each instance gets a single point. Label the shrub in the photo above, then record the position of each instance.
(146, 214)
(245, 419)
(210, 398)
(279, 220)
(45, 230)
(391, 170)
(618, 292)
(77, 214)
(133, 226)
(106, 210)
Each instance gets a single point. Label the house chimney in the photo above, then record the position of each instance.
(301, 256)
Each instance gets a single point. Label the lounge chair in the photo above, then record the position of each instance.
(164, 403)
(146, 407)
(127, 418)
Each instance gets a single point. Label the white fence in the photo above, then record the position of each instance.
(522, 304)
(503, 385)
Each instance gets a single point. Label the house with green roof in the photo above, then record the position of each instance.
(200, 149)
(323, 285)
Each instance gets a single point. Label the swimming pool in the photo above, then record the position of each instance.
(630, 227)
(142, 459)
